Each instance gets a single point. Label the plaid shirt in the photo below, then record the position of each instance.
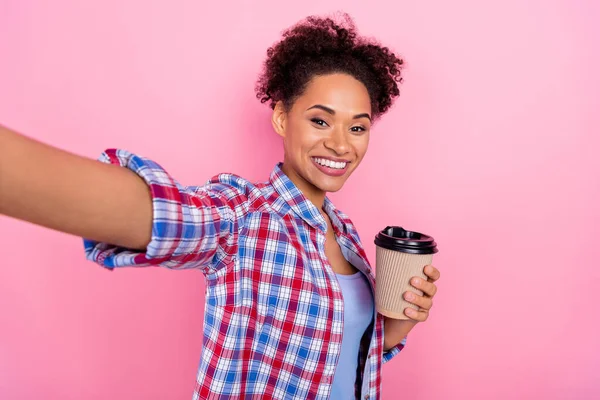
(273, 317)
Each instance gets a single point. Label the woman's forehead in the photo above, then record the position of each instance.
(340, 92)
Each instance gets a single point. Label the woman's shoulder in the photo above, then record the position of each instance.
(234, 187)
(229, 181)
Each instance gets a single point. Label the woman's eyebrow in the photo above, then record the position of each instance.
(332, 112)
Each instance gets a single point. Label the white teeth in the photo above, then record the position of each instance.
(330, 164)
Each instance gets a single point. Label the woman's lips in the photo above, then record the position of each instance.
(329, 170)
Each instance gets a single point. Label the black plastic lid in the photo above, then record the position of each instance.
(398, 239)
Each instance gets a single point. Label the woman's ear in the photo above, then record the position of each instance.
(278, 119)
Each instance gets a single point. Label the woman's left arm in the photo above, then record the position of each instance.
(397, 329)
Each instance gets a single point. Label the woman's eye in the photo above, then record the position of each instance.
(358, 129)
(319, 122)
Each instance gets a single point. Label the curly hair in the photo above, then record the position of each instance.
(320, 46)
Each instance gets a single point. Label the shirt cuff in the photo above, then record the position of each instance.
(391, 353)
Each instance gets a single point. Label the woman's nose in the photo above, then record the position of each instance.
(338, 142)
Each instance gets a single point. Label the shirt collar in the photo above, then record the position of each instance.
(301, 205)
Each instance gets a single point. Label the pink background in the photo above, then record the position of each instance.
(492, 148)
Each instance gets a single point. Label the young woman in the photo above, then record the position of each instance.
(289, 302)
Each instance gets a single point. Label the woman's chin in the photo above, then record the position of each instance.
(330, 185)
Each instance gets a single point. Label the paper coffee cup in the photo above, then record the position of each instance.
(400, 255)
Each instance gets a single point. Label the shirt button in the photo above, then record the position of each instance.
(367, 397)
(327, 379)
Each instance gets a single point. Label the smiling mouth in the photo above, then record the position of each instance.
(339, 165)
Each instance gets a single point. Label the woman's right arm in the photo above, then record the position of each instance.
(73, 194)
(130, 211)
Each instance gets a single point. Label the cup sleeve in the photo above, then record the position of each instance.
(192, 227)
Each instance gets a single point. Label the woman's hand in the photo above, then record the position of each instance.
(396, 329)
(424, 302)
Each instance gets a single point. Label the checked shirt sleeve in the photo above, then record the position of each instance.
(192, 227)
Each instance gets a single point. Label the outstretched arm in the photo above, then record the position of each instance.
(47, 186)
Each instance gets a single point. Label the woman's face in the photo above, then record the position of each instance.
(325, 133)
